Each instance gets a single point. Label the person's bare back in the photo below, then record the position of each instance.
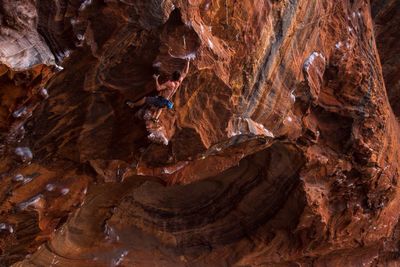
(165, 92)
(170, 89)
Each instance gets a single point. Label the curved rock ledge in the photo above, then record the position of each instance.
(281, 149)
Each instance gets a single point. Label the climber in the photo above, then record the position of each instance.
(166, 92)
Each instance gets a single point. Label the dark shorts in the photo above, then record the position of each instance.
(159, 102)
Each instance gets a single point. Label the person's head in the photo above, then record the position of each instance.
(176, 75)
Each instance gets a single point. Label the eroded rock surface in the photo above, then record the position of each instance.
(386, 17)
(281, 149)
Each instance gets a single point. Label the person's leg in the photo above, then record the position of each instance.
(138, 103)
(162, 104)
(158, 113)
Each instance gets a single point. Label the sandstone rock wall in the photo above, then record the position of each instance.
(282, 147)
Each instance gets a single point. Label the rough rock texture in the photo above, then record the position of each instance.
(387, 18)
(283, 145)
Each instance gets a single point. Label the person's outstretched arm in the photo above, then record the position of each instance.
(185, 71)
(159, 86)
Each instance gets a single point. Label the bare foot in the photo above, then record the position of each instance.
(130, 104)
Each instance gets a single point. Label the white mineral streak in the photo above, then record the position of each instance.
(85, 4)
(309, 61)
(174, 168)
(239, 126)
(30, 202)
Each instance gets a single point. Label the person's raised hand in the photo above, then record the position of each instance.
(155, 76)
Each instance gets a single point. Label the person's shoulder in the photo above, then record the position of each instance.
(174, 83)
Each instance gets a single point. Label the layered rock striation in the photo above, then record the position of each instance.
(281, 149)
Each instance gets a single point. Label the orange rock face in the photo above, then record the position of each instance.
(282, 148)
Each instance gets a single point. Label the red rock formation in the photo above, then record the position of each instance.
(282, 144)
(386, 17)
